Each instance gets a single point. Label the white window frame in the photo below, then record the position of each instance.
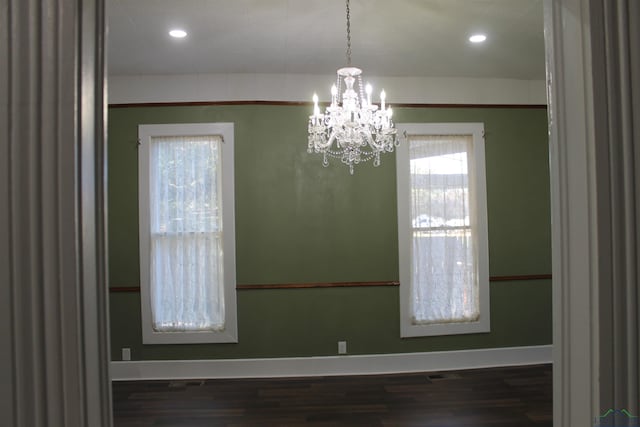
(230, 332)
(407, 327)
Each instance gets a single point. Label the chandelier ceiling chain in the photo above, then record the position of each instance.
(352, 128)
(348, 35)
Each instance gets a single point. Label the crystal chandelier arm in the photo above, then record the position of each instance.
(326, 145)
(318, 140)
(372, 142)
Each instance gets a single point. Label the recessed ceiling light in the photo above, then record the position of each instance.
(178, 34)
(477, 38)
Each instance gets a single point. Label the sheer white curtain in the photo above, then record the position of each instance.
(186, 234)
(444, 277)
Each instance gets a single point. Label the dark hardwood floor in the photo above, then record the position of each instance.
(509, 396)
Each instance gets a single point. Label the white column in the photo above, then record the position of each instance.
(615, 29)
(574, 231)
(53, 307)
(593, 82)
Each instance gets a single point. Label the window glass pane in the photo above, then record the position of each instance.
(185, 195)
(444, 279)
(186, 291)
(186, 249)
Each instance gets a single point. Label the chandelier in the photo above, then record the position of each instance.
(351, 128)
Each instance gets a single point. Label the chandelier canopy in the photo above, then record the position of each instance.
(352, 128)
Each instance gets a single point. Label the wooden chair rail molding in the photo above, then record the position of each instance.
(343, 284)
(316, 285)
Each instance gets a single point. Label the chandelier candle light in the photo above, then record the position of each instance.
(352, 128)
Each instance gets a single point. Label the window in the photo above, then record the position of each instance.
(187, 235)
(442, 230)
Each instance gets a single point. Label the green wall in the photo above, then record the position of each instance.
(299, 222)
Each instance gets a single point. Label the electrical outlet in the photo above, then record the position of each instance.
(126, 353)
(342, 347)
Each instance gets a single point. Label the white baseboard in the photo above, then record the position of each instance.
(330, 365)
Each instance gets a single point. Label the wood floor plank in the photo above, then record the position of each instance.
(509, 396)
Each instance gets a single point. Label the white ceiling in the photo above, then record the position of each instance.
(389, 37)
